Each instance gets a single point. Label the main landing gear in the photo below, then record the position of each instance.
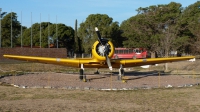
(97, 72)
(82, 77)
(121, 73)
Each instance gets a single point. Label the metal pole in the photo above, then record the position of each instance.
(11, 30)
(0, 27)
(31, 31)
(56, 33)
(48, 32)
(40, 30)
(21, 31)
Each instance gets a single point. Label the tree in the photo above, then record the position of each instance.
(48, 35)
(170, 37)
(116, 34)
(65, 36)
(77, 46)
(141, 30)
(155, 28)
(191, 19)
(8, 22)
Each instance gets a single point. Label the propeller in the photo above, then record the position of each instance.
(103, 48)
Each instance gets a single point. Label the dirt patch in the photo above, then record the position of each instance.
(133, 80)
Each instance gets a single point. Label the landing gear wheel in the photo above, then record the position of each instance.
(81, 74)
(97, 72)
(82, 77)
(121, 74)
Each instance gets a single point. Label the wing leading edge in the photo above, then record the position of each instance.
(58, 61)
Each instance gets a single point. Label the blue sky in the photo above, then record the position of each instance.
(67, 11)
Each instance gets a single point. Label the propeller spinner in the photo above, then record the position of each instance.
(103, 48)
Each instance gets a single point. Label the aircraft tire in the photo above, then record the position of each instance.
(81, 74)
(122, 72)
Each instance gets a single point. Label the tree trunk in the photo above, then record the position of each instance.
(166, 64)
(153, 54)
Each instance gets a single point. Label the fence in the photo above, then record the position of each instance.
(47, 52)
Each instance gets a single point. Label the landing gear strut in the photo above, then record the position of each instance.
(121, 73)
(82, 77)
(97, 72)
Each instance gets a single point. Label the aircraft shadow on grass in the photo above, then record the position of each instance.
(129, 75)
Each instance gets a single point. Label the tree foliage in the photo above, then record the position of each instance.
(191, 19)
(45, 34)
(8, 37)
(156, 28)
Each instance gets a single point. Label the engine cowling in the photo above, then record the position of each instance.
(98, 50)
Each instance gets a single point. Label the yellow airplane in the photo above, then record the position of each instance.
(102, 52)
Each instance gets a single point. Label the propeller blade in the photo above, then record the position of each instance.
(108, 62)
(98, 34)
(105, 49)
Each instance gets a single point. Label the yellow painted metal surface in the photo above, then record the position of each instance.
(94, 53)
(95, 63)
(150, 61)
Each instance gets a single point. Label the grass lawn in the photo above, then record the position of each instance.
(173, 99)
